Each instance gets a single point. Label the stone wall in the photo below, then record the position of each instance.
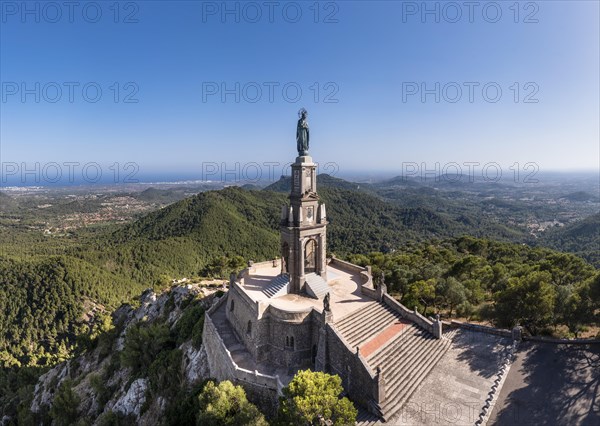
(357, 377)
(220, 364)
(413, 316)
(482, 328)
(223, 367)
(241, 311)
(265, 398)
(542, 339)
(283, 326)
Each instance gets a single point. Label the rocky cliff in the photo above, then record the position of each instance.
(143, 370)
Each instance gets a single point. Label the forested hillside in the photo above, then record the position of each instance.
(42, 302)
(190, 236)
(507, 284)
(46, 279)
(581, 238)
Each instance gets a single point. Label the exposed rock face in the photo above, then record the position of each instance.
(131, 403)
(195, 363)
(47, 386)
(104, 386)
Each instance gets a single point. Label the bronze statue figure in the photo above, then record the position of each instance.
(302, 133)
(326, 306)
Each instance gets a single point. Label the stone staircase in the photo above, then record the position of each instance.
(450, 333)
(405, 362)
(364, 418)
(405, 358)
(238, 351)
(362, 325)
(316, 286)
(278, 287)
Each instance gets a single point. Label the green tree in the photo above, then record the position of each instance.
(420, 294)
(576, 305)
(143, 343)
(165, 373)
(225, 404)
(64, 409)
(454, 293)
(528, 300)
(314, 397)
(594, 284)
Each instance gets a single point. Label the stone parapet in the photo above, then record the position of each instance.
(217, 303)
(367, 288)
(482, 328)
(541, 339)
(406, 313)
(287, 315)
(252, 269)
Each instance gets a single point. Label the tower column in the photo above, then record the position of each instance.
(305, 219)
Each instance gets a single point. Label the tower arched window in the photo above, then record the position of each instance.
(310, 256)
(231, 306)
(249, 327)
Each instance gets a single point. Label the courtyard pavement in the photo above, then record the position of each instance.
(551, 384)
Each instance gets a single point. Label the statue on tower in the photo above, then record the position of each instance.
(302, 134)
(326, 302)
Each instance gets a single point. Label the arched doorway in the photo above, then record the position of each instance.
(310, 256)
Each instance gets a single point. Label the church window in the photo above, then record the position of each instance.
(289, 342)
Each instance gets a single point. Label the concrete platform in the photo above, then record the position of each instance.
(455, 390)
(344, 289)
(551, 384)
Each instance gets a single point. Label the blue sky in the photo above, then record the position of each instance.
(368, 60)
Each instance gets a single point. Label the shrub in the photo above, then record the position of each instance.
(312, 398)
(143, 343)
(165, 373)
(185, 326)
(226, 404)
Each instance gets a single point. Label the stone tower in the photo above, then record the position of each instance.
(303, 228)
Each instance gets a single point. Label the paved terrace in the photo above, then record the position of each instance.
(551, 384)
(344, 289)
(455, 390)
